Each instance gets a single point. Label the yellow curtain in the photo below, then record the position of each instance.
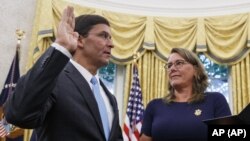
(240, 74)
(174, 32)
(224, 39)
(152, 76)
(128, 33)
(42, 31)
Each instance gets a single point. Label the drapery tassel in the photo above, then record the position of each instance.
(248, 28)
(149, 34)
(201, 37)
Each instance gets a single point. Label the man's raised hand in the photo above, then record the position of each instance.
(66, 36)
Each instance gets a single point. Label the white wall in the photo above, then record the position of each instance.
(171, 8)
(14, 14)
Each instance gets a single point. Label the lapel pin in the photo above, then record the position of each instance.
(197, 112)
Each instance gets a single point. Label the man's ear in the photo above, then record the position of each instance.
(80, 42)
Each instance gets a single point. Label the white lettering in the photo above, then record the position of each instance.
(218, 133)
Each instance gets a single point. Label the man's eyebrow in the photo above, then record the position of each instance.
(104, 32)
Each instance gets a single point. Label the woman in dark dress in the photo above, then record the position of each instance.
(179, 115)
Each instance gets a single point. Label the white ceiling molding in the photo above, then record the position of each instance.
(170, 8)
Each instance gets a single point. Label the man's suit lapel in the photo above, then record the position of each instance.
(85, 90)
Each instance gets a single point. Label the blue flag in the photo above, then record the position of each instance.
(8, 88)
(10, 83)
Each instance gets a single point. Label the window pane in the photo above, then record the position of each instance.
(107, 75)
(218, 76)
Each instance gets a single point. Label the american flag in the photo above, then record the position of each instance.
(4, 128)
(133, 120)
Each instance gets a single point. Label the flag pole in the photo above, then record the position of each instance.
(20, 35)
(134, 67)
(135, 57)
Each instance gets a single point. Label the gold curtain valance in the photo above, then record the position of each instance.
(173, 32)
(225, 39)
(128, 33)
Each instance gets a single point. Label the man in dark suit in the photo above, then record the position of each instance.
(55, 96)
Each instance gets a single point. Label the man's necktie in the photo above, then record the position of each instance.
(101, 106)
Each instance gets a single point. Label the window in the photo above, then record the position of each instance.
(107, 75)
(218, 76)
(113, 77)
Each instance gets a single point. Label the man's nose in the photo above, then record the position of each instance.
(110, 43)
